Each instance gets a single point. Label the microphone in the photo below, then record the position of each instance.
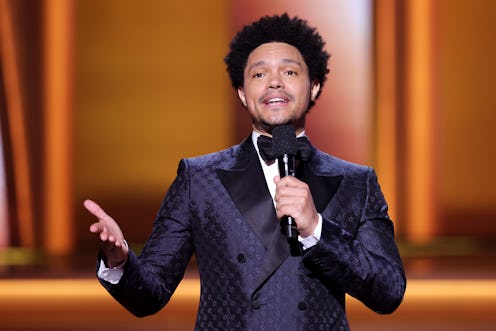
(285, 148)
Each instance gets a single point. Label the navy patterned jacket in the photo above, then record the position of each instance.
(219, 208)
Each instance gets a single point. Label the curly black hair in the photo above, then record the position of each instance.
(278, 28)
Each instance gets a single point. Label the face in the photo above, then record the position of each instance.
(277, 88)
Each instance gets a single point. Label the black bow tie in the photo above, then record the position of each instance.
(266, 152)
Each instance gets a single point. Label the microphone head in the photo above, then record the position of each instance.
(284, 140)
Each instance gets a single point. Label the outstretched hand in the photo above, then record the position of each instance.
(109, 233)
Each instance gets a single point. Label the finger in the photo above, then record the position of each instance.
(112, 243)
(287, 195)
(115, 242)
(104, 236)
(96, 210)
(291, 206)
(291, 200)
(285, 186)
(114, 239)
(291, 181)
(97, 227)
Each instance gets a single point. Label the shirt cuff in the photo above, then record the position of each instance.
(112, 275)
(314, 238)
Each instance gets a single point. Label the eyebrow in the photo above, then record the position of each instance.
(285, 61)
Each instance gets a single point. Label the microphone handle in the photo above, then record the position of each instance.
(287, 166)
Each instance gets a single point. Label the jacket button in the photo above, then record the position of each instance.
(302, 305)
(241, 258)
(256, 304)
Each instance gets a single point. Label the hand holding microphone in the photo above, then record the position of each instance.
(295, 205)
(285, 147)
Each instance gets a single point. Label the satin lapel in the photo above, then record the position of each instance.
(323, 187)
(246, 185)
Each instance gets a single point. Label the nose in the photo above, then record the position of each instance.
(275, 81)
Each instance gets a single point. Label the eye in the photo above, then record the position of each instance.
(291, 73)
(258, 75)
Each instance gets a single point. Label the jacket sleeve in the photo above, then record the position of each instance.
(365, 264)
(150, 279)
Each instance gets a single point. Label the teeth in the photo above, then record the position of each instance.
(275, 100)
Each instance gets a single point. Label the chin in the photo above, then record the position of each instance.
(278, 121)
(268, 126)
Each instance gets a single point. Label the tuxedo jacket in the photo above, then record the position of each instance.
(219, 209)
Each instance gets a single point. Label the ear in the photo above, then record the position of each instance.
(315, 90)
(242, 96)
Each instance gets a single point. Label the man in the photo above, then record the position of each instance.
(225, 208)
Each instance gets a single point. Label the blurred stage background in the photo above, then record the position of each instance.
(101, 99)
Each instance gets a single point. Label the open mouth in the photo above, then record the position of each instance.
(275, 100)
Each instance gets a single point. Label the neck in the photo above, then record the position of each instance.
(268, 131)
